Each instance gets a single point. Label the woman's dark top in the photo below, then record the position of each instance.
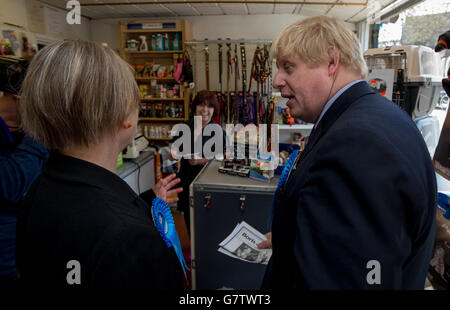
(79, 211)
(188, 173)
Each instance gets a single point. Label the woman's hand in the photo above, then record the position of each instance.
(442, 227)
(266, 243)
(9, 111)
(163, 188)
(171, 157)
(195, 162)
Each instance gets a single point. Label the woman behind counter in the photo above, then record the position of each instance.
(206, 105)
(81, 99)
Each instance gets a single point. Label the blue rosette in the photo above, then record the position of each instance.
(283, 178)
(163, 219)
(443, 204)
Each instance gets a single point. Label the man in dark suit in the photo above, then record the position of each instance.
(358, 208)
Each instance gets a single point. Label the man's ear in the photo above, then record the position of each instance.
(334, 60)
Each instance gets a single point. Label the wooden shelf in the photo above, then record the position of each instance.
(153, 52)
(155, 78)
(184, 29)
(159, 139)
(152, 30)
(162, 99)
(296, 127)
(161, 119)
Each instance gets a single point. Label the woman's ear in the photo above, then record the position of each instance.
(128, 121)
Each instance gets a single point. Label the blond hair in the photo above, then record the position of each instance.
(75, 92)
(311, 39)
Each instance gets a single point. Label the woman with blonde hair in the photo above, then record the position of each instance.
(81, 223)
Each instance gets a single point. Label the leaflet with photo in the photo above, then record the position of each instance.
(242, 243)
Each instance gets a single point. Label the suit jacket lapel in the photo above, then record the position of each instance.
(334, 112)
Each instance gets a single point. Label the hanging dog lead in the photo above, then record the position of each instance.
(236, 107)
(206, 64)
(267, 88)
(220, 65)
(244, 84)
(261, 83)
(220, 96)
(266, 85)
(229, 70)
(255, 74)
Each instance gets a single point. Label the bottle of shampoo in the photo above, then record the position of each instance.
(176, 42)
(153, 43)
(159, 42)
(166, 42)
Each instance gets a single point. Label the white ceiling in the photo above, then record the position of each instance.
(349, 13)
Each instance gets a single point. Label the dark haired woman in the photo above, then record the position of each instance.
(205, 104)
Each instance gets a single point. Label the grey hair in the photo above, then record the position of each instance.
(75, 92)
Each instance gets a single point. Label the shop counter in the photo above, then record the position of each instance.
(218, 203)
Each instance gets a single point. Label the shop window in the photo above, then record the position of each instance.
(418, 25)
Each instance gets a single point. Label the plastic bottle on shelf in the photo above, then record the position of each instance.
(153, 43)
(159, 110)
(145, 111)
(143, 44)
(167, 111)
(176, 42)
(172, 109)
(158, 90)
(166, 42)
(159, 42)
